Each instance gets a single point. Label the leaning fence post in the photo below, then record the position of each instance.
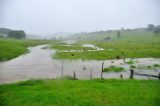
(131, 73)
(102, 70)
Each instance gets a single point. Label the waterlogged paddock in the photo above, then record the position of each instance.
(40, 64)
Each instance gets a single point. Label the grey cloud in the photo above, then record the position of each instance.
(51, 16)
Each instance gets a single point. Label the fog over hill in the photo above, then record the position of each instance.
(49, 17)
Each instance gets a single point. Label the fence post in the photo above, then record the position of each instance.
(121, 76)
(102, 70)
(62, 69)
(91, 73)
(74, 74)
(123, 60)
(131, 73)
(159, 76)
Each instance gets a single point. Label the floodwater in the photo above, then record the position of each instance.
(39, 64)
(95, 48)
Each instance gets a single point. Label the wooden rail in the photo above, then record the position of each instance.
(132, 74)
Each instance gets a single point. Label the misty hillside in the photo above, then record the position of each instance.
(139, 34)
(4, 31)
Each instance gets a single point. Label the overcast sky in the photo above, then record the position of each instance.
(53, 16)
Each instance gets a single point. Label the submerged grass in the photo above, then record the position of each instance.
(71, 47)
(113, 69)
(81, 93)
(154, 66)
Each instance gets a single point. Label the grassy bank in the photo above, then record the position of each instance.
(109, 54)
(10, 48)
(81, 93)
(131, 44)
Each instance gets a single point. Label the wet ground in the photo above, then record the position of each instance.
(39, 64)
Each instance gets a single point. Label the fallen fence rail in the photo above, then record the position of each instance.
(148, 75)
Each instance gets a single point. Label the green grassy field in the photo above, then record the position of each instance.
(103, 55)
(81, 93)
(10, 48)
(131, 44)
(126, 35)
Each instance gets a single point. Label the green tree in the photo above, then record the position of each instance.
(18, 34)
(157, 29)
(151, 27)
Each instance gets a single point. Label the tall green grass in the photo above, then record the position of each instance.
(10, 48)
(81, 93)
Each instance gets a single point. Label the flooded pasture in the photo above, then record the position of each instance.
(38, 63)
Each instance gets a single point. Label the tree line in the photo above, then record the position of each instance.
(18, 34)
(153, 28)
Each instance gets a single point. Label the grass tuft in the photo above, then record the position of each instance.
(113, 69)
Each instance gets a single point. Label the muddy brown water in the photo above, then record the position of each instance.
(39, 64)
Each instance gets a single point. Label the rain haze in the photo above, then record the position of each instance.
(79, 52)
(54, 16)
